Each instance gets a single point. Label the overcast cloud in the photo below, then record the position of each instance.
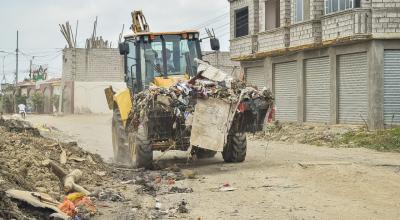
(37, 22)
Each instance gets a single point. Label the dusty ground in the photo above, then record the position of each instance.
(277, 180)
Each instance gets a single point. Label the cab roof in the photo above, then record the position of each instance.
(161, 33)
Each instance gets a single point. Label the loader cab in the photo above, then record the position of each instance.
(161, 59)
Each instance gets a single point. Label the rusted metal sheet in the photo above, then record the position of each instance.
(211, 122)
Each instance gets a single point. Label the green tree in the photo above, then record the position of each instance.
(38, 100)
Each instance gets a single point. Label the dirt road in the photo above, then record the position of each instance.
(277, 180)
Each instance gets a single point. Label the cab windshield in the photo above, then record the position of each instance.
(165, 55)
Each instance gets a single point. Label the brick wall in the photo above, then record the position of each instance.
(346, 23)
(285, 12)
(305, 33)
(242, 46)
(274, 39)
(224, 62)
(93, 65)
(386, 20)
(316, 9)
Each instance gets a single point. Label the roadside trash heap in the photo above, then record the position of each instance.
(42, 178)
(209, 82)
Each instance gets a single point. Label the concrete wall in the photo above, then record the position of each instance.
(93, 65)
(224, 62)
(89, 96)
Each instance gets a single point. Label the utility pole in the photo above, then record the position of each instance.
(30, 67)
(4, 76)
(16, 68)
(4, 57)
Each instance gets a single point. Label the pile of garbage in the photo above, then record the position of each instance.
(36, 173)
(314, 134)
(210, 82)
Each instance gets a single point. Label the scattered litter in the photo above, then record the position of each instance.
(190, 174)
(63, 157)
(77, 159)
(182, 207)
(226, 187)
(108, 195)
(100, 173)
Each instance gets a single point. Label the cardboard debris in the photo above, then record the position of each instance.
(34, 199)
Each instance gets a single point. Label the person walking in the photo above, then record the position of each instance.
(22, 110)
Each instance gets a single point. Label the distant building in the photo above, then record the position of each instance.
(326, 61)
(88, 72)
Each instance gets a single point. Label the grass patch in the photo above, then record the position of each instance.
(384, 140)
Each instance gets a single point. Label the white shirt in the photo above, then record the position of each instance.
(21, 108)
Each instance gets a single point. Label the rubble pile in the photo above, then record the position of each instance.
(315, 134)
(24, 159)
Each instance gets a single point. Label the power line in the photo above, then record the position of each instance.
(210, 21)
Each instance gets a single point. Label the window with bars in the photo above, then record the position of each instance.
(242, 22)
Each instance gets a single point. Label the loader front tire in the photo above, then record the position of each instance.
(119, 139)
(143, 151)
(235, 148)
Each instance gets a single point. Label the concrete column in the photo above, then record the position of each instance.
(333, 82)
(268, 67)
(300, 88)
(375, 85)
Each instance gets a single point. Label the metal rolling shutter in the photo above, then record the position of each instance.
(286, 91)
(317, 90)
(256, 76)
(353, 88)
(392, 87)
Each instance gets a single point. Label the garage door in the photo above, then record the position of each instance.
(392, 87)
(256, 76)
(353, 88)
(317, 90)
(286, 91)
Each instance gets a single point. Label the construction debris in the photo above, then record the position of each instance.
(93, 41)
(25, 159)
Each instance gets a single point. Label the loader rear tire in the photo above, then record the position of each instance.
(119, 139)
(235, 148)
(143, 150)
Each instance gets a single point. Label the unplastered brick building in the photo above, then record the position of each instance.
(326, 61)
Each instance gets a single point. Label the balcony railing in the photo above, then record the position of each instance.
(353, 23)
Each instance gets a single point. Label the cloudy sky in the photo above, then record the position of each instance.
(37, 22)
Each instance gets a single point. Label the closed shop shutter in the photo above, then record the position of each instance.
(353, 88)
(317, 90)
(392, 87)
(286, 91)
(256, 76)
